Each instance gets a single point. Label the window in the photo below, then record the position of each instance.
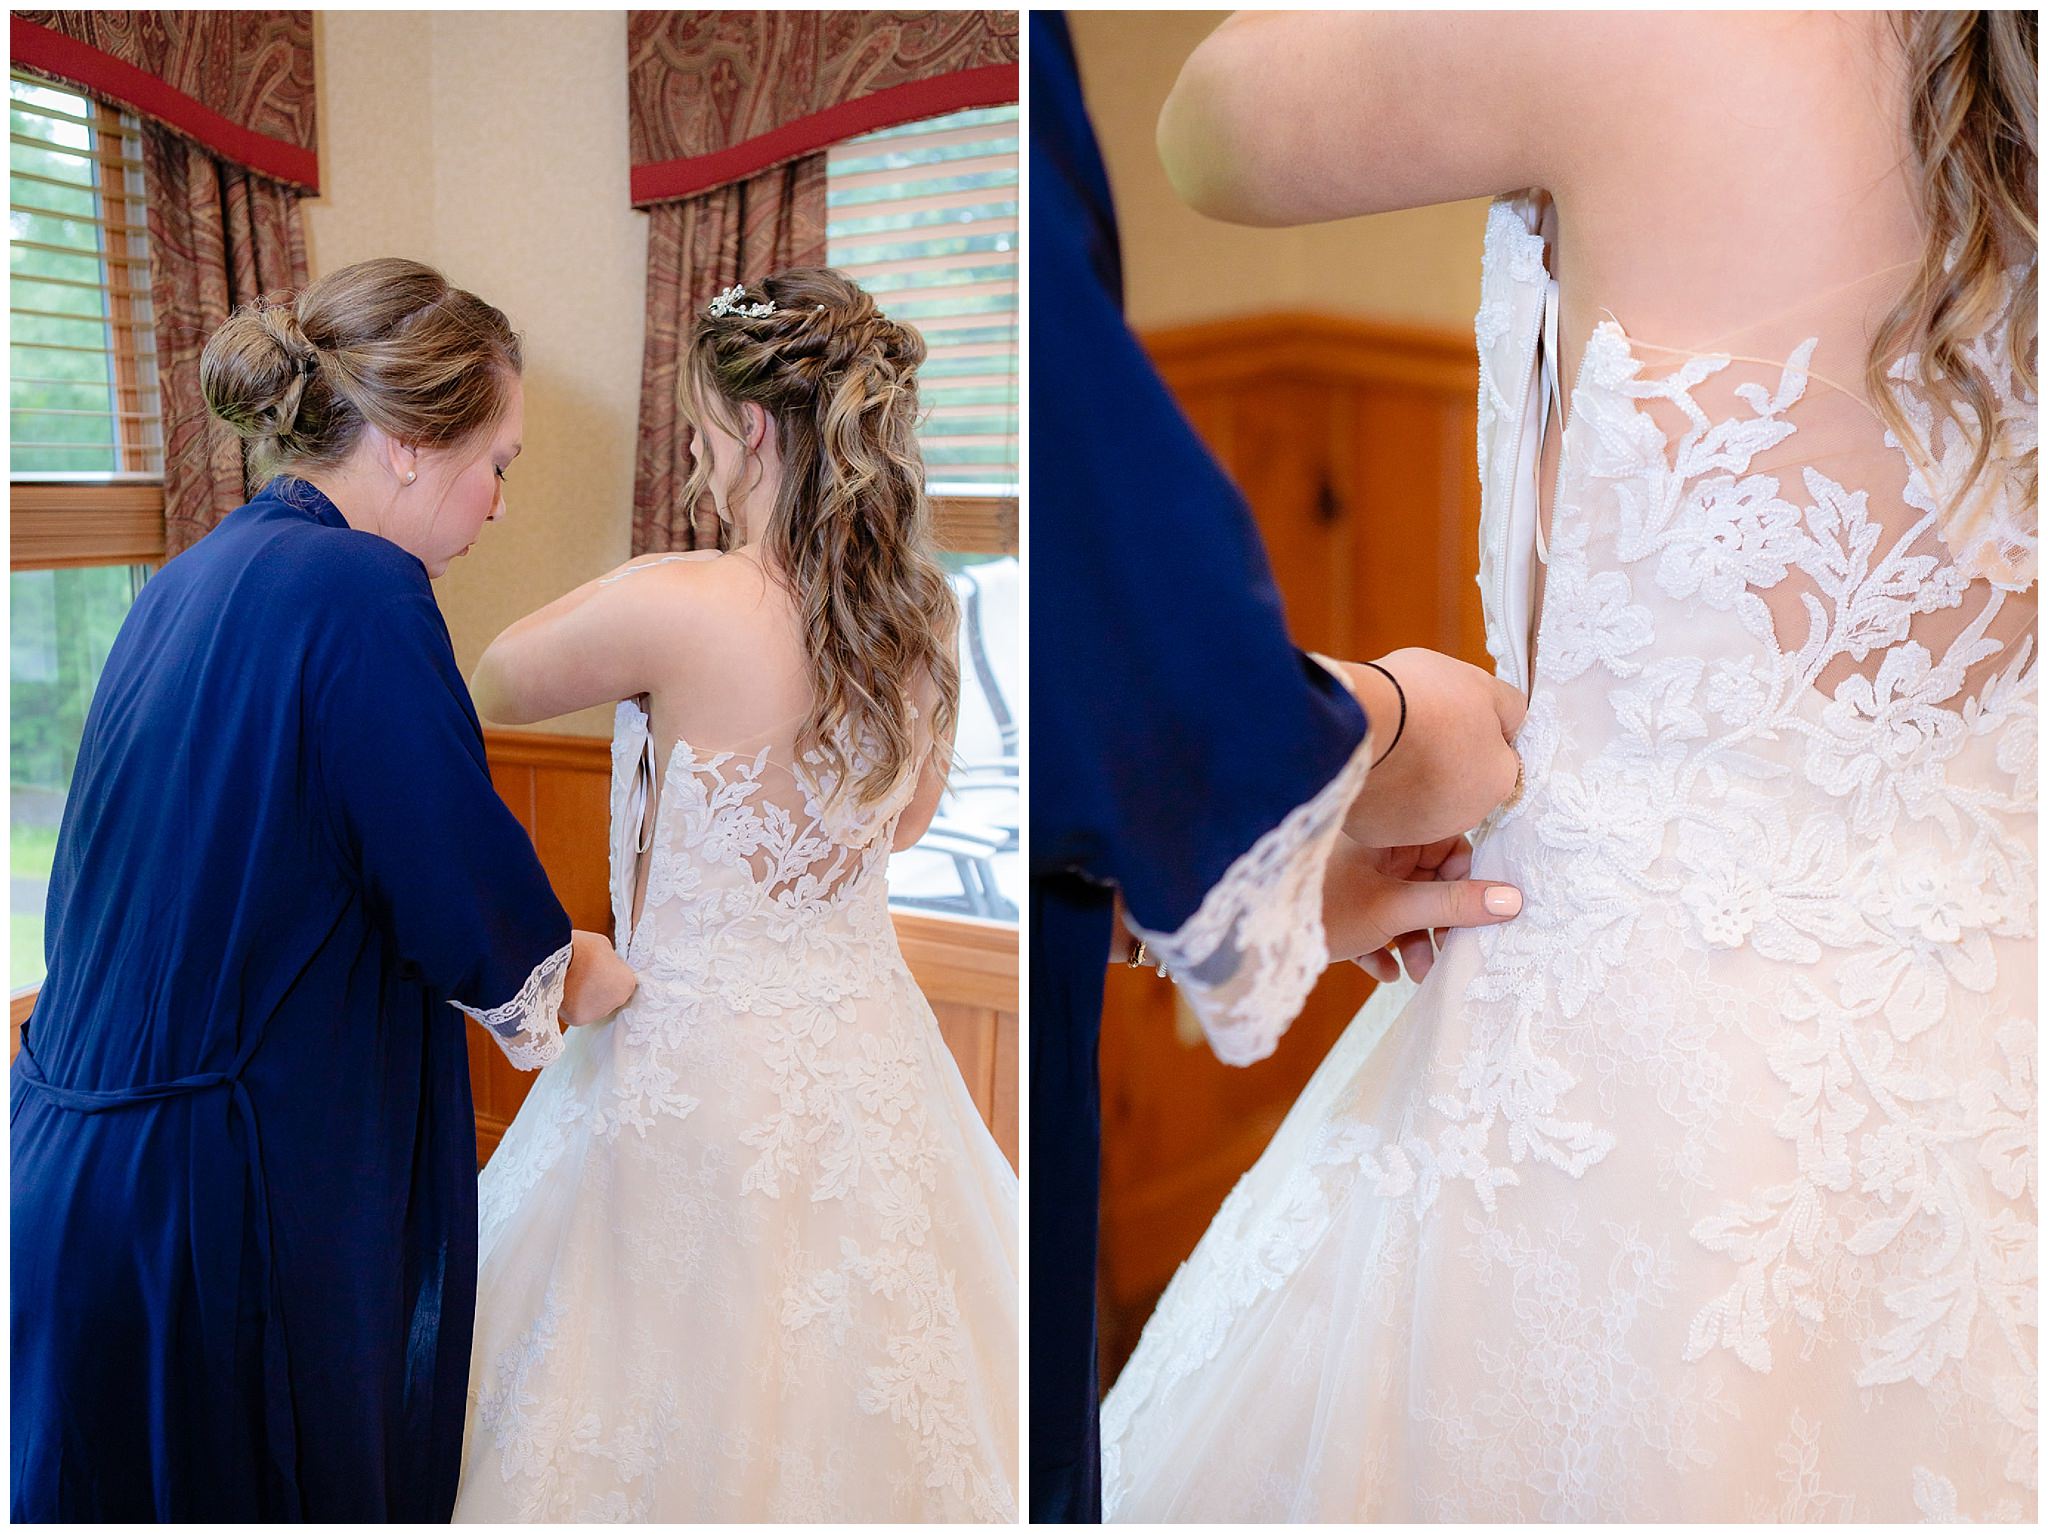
(82, 361)
(968, 863)
(85, 453)
(63, 625)
(925, 218)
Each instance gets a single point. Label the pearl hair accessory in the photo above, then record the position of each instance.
(730, 302)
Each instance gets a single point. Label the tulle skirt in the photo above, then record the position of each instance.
(750, 1267)
(1602, 1225)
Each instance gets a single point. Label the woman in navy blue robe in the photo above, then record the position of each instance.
(1173, 724)
(1185, 755)
(244, 1154)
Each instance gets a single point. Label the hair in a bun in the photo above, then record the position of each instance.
(851, 529)
(387, 341)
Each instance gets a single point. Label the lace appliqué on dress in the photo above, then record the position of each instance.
(1768, 1015)
(528, 1028)
(846, 820)
(770, 1096)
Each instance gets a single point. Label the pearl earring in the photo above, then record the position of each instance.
(410, 476)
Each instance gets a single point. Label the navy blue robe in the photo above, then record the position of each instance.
(1172, 721)
(244, 1152)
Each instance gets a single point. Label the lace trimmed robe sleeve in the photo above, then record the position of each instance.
(1254, 949)
(447, 867)
(1183, 749)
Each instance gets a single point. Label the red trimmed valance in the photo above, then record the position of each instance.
(240, 83)
(716, 96)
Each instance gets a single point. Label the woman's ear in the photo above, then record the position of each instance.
(756, 427)
(403, 461)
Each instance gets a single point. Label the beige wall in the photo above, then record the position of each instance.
(1418, 267)
(493, 144)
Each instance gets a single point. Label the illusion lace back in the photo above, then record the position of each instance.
(1705, 1189)
(748, 1252)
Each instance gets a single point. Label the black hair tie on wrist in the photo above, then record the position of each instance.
(1402, 723)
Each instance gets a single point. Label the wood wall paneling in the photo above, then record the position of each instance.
(1353, 443)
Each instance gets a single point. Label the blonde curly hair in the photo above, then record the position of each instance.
(1972, 124)
(851, 531)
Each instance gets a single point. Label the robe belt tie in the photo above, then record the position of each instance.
(280, 1422)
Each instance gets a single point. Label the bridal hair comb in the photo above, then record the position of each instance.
(732, 301)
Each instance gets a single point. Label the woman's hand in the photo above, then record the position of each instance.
(1377, 899)
(599, 981)
(1452, 764)
(1446, 860)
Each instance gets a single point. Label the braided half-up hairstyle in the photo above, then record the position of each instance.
(1972, 125)
(388, 342)
(851, 531)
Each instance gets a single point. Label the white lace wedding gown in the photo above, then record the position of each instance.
(747, 1251)
(1706, 1188)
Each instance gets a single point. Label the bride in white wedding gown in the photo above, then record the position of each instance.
(1706, 1189)
(748, 1252)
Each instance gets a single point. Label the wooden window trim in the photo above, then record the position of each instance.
(1324, 347)
(58, 526)
(976, 524)
(18, 1008)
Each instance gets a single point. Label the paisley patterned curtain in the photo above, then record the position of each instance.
(219, 235)
(731, 113)
(229, 146)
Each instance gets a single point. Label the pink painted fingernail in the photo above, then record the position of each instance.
(1503, 900)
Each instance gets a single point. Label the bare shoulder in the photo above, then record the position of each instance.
(640, 564)
(702, 602)
(694, 581)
